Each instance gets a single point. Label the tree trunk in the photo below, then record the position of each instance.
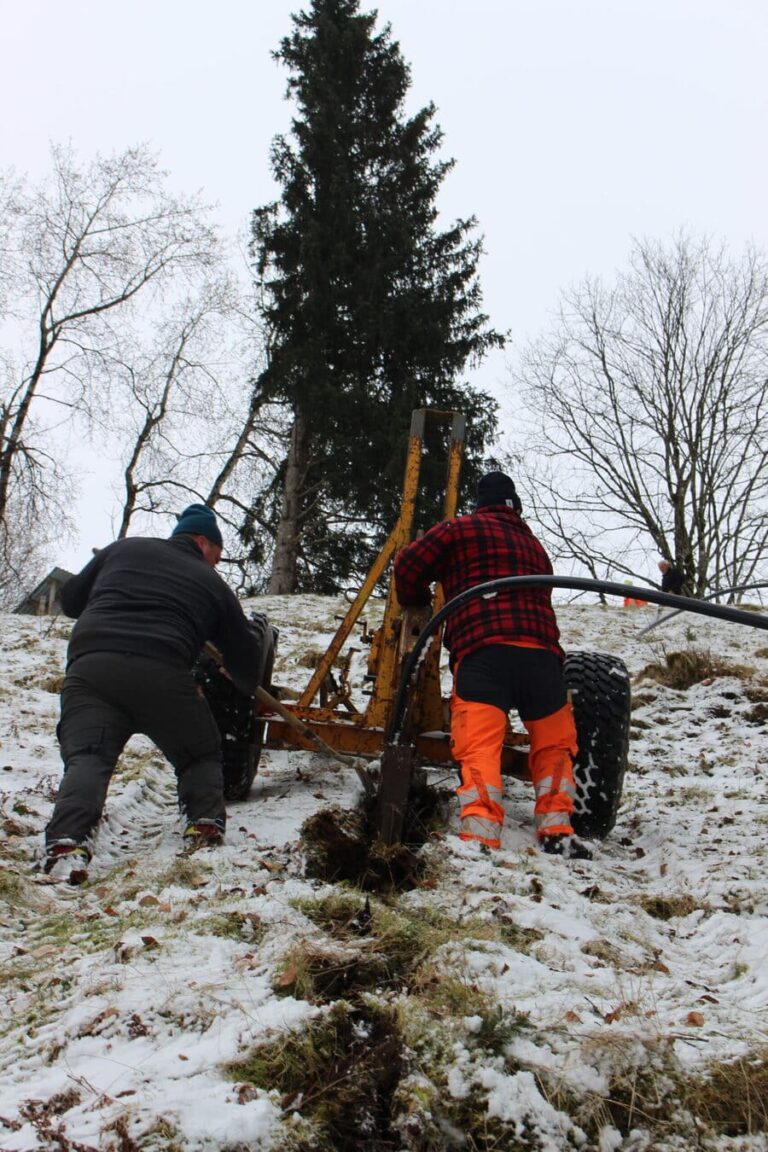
(283, 578)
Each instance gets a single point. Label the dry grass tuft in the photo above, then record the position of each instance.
(310, 972)
(682, 670)
(668, 907)
(732, 1098)
(651, 1091)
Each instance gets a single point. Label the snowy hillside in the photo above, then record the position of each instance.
(230, 1001)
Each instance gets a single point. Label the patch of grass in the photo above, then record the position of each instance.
(682, 670)
(392, 943)
(231, 925)
(12, 888)
(163, 1136)
(603, 951)
(339, 1074)
(643, 1090)
(92, 934)
(339, 913)
(652, 1092)
(668, 907)
(22, 973)
(312, 973)
(185, 872)
(731, 1099)
(466, 1010)
(758, 714)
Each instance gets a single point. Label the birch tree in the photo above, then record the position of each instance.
(81, 250)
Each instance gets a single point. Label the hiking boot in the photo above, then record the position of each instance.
(202, 834)
(566, 845)
(67, 863)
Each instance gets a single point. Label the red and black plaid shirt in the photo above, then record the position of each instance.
(488, 544)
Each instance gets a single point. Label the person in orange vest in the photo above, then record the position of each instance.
(631, 602)
(505, 653)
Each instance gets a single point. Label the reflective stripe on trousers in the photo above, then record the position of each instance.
(550, 762)
(477, 737)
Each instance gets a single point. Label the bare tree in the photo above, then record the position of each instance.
(172, 399)
(647, 406)
(189, 424)
(83, 248)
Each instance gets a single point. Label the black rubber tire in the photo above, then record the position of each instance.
(600, 694)
(241, 730)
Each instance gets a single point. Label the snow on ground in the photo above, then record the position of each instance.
(127, 999)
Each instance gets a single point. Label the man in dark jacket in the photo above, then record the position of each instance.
(672, 579)
(144, 608)
(505, 653)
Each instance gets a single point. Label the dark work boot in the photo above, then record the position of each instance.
(202, 834)
(67, 863)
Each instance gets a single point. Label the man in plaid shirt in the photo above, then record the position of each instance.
(505, 653)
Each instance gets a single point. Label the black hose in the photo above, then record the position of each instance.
(684, 603)
(712, 596)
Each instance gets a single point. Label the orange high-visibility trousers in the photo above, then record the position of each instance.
(477, 736)
(550, 762)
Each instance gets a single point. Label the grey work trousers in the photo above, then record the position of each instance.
(107, 697)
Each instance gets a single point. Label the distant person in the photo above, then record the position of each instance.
(144, 608)
(505, 653)
(672, 579)
(632, 601)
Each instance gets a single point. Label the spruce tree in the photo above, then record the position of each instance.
(371, 309)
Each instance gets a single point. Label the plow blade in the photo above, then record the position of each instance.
(397, 762)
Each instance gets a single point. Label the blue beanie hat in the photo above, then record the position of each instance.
(197, 520)
(497, 488)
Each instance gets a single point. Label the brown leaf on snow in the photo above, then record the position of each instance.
(150, 942)
(93, 1027)
(148, 901)
(572, 1017)
(694, 1019)
(287, 977)
(246, 1092)
(627, 1008)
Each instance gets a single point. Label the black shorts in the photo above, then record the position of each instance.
(507, 676)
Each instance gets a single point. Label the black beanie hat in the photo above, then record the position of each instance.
(197, 520)
(497, 488)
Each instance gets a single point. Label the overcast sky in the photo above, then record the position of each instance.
(575, 124)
